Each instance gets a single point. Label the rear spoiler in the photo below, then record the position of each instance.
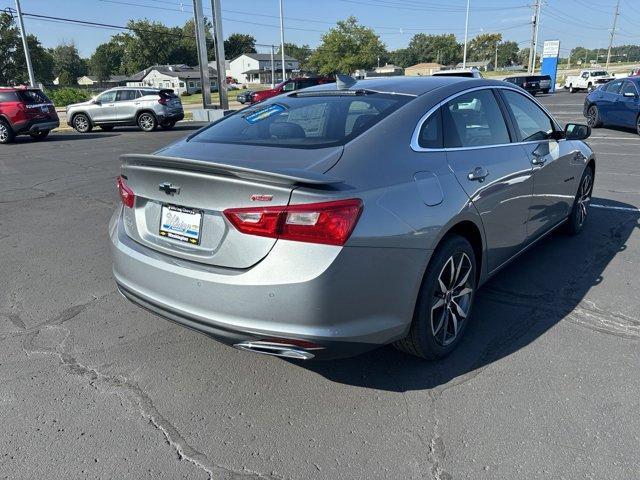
(288, 176)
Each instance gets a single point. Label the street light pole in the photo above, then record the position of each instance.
(282, 41)
(203, 61)
(23, 34)
(273, 68)
(466, 33)
(220, 56)
(613, 32)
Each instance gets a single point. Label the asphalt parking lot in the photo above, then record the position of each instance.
(544, 385)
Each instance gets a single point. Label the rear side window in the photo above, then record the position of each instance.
(531, 121)
(8, 97)
(125, 95)
(474, 119)
(629, 87)
(431, 132)
(32, 97)
(305, 121)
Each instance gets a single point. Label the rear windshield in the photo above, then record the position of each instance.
(599, 74)
(303, 121)
(31, 97)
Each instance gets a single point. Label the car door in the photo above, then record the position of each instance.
(104, 109)
(627, 105)
(552, 159)
(127, 105)
(605, 99)
(494, 172)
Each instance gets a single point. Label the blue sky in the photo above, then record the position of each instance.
(574, 22)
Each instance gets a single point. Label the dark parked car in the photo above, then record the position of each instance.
(25, 111)
(531, 83)
(615, 103)
(329, 221)
(245, 97)
(289, 86)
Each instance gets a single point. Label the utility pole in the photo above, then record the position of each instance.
(203, 60)
(495, 65)
(466, 36)
(534, 36)
(284, 75)
(613, 31)
(273, 68)
(23, 34)
(220, 56)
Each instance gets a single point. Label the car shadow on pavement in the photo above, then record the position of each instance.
(543, 287)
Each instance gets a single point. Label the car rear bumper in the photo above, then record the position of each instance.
(344, 300)
(170, 117)
(34, 126)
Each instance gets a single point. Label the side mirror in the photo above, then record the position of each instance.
(577, 131)
(97, 102)
(629, 95)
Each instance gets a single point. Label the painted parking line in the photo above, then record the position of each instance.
(593, 137)
(611, 207)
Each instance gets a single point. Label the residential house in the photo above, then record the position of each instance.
(483, 66)
(255, 68)
(422, 69)
(179, 78)
(112, 81)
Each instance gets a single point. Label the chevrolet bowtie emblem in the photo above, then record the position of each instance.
(168, 188)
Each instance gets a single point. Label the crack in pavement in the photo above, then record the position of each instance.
(50, 338)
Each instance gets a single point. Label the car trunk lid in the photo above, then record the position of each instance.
(179, 202)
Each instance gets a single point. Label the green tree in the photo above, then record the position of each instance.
(107, 59)
(9, 46)
(237, 44)
(523, 57)
(507, 54)
(403, 57)
(483, 47)
(443, 49)
(347, 47)
(299, 52)
(67, 62)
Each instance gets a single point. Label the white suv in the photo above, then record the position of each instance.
(145, 107)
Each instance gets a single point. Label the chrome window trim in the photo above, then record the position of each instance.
(415, 146)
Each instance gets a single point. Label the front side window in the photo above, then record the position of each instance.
(309, 121)
(531, 121)
(107, 97)
(474, 119)
(613, 87)
(8, 97)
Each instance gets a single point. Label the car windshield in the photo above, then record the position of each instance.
(318, 120)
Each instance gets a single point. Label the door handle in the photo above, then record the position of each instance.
(478, 174)
(538, 160)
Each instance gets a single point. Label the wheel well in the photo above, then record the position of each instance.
(146, 111)
(80, 113)
(469, 231)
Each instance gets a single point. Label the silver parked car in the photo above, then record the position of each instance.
(333, 220)
(147, 108)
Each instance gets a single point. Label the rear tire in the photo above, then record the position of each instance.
(571, 89)
(6, 132)
(444, 303)
(590, 87)
(81, 123)
(593, 117)
(41, 135)
(638, 125)
(147, 122)
(545, 91)
(578, 215)
(106, 128)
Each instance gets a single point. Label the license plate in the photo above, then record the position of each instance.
(181, 223)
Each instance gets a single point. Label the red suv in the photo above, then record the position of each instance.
(289, 86)
(25, 111)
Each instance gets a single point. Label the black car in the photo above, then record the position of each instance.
(244, 97)
(531, 83)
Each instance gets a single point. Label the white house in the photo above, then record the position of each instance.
(256, 67)
(180, 78)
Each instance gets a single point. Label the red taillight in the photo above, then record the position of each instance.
(126, 194)
(330, 223)
(163, 100)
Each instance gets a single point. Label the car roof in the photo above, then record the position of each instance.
(408, 85)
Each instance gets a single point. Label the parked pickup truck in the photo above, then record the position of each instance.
(587, 80)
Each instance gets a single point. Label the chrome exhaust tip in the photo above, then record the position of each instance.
(275, 349)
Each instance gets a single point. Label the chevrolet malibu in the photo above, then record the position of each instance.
(333, 220)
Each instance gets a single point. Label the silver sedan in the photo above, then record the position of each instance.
(336, 219)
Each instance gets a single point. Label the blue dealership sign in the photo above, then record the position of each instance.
(550, 54)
